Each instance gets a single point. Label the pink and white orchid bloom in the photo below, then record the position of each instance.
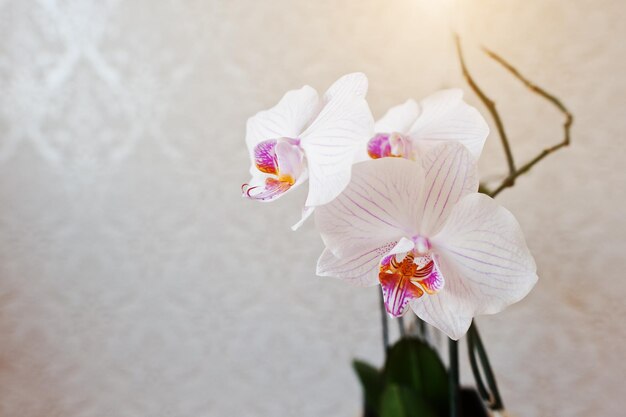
(409, 129)
(305, 136)
(421, 231)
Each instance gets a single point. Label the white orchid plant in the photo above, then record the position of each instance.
(397, 204)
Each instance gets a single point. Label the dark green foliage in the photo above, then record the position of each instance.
(414, 364)
(401, 401)
(413, 382)
(372, 383)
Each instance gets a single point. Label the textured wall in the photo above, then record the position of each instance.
(134, 280)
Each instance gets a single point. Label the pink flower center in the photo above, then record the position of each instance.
(408, 277)
(394, 144)
(282, 160)
(265, 158)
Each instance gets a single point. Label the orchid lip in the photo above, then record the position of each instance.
(281, 160)
(265, 158)
(273, 187)
(407, 278)
(393, 144)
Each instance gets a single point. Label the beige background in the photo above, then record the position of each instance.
(134, 280)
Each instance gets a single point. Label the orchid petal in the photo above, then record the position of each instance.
(306, 213)
(398, 118)
(353, 85)
(444, 116)
(333, 139)
(486, 264)
(377, 208)
(449, 310)
(450, 174)
(360, 271)
(486, 244)
(287, 119)
(362, 268)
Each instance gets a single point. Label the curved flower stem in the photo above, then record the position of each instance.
(480, 385)
(419, 329)
(401, 326)
(514, 173)
(385, 327)
(474, 342)
(474, 346)
(491, 107)
(567, 124)
(422, 328)
(453, 378)
(530, 85)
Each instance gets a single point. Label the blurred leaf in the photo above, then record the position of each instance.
(372, 383)
(400, 401)
(413, 364)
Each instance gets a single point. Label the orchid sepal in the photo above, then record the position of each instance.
(433, 204)
(318, 139)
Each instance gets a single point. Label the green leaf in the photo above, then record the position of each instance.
(372, 383)
(413, 364)
(400, 401)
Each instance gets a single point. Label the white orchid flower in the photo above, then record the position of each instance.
(421, 231)
(305, 136)
(409, 129)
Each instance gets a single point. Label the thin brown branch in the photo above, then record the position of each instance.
(509, 181)
(529, 84)
(491, 107)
